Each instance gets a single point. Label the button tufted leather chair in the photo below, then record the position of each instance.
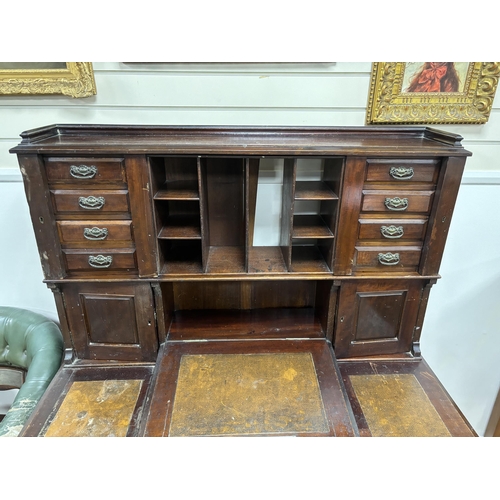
(31, 353)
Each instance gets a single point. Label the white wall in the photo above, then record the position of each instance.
(460, 337)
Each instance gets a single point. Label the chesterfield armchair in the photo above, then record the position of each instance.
(31, 353)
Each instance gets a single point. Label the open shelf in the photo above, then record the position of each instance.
(181, 256)
(313, 190)
(181, 227)
(226, 259)
(214, 200)
(310, 226)
(215, 309)
(257, 323)
(308, 259)
(266, 260)
(178, 190)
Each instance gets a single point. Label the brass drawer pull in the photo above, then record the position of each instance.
(91, 202)
(100, 261)
(392, 232)
(401, 173)
(83, 171)
(396, 204)
(95, 233)
(388, 259)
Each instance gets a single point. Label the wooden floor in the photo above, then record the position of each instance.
(248, 388)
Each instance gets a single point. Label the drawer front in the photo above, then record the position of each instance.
(402, 170)
(94, 234)
(89, 201)
(397, 201)
(392, 229)
(100, 261)
(387, 258)
(85, 170)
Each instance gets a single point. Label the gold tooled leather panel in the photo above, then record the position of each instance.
(97, 408)
(397, 405)
(241, 394)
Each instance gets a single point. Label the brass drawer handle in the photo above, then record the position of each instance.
(100, 261)
(388, 259)
(401, 173)
(396, 204)
(392, 232)
(91, 202)
(95, 233)
(83, 171)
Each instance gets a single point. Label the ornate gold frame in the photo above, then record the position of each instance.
(77, 80)
(387, 104)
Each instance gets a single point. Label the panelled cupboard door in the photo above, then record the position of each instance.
(112, 321)
(376, 317)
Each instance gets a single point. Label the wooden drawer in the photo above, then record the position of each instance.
(95, 234)
(392, 229)
(397, 201)
(90, 201)
(100, 261)
(403, 170)
(387, 258)
(85, 170)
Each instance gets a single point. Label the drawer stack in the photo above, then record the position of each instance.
(91, 206)
(396, 201)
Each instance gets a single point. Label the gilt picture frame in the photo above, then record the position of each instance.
(74, 79)
(431, 93)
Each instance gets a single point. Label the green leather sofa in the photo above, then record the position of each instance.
(31, 353)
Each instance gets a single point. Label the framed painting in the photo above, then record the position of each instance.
(431, 92)
(75, 79)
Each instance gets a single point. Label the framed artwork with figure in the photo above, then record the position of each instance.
(431, 92)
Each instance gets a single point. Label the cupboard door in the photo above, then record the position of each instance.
(112, 321)
(376, 318)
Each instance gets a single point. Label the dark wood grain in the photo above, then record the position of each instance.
(412, 229)
(376, 318)
(442, 211)
(350, 207)
(313, 190)
(142, 216)
(42, 216)
(180, 207)
(251, 185)
(415, 141)
(234, 324)
(112, 321)
(310, 226)
(424, 170)
(123, 259)
(108, 171)
(72, 233)
(54, 396)
(287, 209)
(417, 331)
(418, 201)
(440, 399)
(366, 258)
(157, 421)
(225, 201)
